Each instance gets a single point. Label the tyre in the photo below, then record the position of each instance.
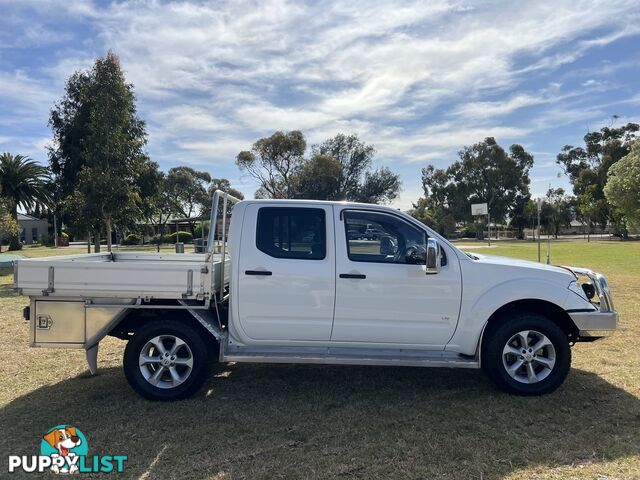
(167, 360)
(526, 354)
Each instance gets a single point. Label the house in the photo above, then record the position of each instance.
(31, 228)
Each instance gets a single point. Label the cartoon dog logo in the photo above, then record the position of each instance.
(63, 439)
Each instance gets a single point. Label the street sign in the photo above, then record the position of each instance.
(479, 209)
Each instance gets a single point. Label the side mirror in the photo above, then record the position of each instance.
(433, 257)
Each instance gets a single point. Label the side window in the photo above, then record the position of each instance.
(377, 237)
(298, 233)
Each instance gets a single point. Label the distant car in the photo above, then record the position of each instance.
(455, 234)
(355, 235)
(373, 233)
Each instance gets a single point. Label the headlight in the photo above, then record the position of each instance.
(577, 289)
(594, 286)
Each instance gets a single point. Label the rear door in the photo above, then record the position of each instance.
(287, 272)
(383, 294)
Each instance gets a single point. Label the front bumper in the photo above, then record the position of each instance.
(603, 319)
(595, 324)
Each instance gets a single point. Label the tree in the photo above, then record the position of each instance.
(224, 185)
(338, 169)
(519, 215)
(622, 189)
(379, 186)
(421, 212)
(9, 227)
(485, 173)
(531, 213)
(557, 211)
(187, 191)
(354, 179)
(161, 205)
(343, 171)
(587, 168)
(318, 178)
(436, 216)
(104, 177)
(23, 183)
(591, 209)
(273, 161)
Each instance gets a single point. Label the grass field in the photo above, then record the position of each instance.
(280, 421)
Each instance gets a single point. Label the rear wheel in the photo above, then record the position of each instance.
(167, 360)
(526, 354)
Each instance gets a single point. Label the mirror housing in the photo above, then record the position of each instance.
(433, 257)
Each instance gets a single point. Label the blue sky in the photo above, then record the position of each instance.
(418, 80)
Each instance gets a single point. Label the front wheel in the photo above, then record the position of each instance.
(526, 354)
(167, 360)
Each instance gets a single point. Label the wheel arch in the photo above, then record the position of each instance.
(550, 310)
(136, 318)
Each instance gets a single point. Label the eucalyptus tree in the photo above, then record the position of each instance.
(104, 177)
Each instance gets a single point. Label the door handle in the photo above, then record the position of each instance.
(258, 272)
(352, 275)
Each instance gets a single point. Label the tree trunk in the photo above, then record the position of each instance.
(89, 243)
(96, 241)
(109, 235)
(161, 234)
(14, 242)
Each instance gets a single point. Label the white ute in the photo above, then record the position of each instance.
(301, 282)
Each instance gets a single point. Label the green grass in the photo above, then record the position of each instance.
(288, 421)
(599, 255)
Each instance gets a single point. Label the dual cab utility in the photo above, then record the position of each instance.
(288, 283)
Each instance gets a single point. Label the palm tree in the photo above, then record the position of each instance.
(24, 183)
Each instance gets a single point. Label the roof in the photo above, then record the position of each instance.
(25, 217)
(323, 202)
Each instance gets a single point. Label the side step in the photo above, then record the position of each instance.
(349, 356)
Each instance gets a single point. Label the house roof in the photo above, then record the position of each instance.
(24, 216)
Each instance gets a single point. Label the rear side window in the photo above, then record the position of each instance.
(298, 233)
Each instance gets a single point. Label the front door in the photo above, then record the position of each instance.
(287, 272)
(383, 295)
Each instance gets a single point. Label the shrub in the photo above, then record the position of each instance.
(468, 232)
(132, 239)
(199, 227)
(46, 239)
(63, 240)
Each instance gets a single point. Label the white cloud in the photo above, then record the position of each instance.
(19, 88)
(417, 79)
(482, 110)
